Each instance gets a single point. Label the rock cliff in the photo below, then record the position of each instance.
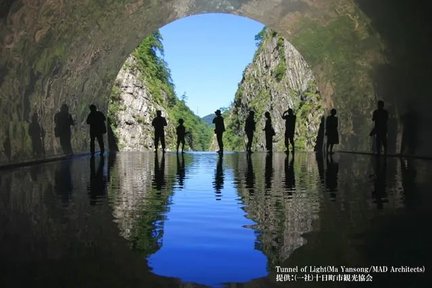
(143, 86)
(277, 79)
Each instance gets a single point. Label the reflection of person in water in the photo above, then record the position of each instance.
(159, 172)
(410, 190)
(181, 173)
(97, 188)
(37, 135)
(63, 122)
(289, 175)
(380, 184)
(268, 173)
(331, 176)
(250, 175)
(218, 182)
(63, 181)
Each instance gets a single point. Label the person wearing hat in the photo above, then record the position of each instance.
(219, 129)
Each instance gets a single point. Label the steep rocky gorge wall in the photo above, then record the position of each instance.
(55, 52)
(133, 109)
(277, 79)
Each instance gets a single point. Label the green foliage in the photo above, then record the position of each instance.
(281, 67)
(156, 76)
(199, 133)
(154, 69)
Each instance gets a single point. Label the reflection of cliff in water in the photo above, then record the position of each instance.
(282, 212)
(59, 235)
(140, 188)
(308, 197)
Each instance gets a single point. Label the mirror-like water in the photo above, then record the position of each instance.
(153, 220)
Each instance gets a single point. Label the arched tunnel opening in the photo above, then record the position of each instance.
(195, 219)
(275, 78)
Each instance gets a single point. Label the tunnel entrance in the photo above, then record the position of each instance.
(272, 77)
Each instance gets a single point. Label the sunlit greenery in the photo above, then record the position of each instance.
(156, 76)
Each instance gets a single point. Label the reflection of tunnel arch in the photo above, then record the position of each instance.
(55, 52)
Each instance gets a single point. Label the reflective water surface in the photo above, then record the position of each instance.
(200, 220)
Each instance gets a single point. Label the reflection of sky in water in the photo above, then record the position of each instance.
(205, 236)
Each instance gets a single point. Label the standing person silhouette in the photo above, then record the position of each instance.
(269, 132)
(181, 132)
(63, 122)
(249, 130)
(380, 117)
(332, 131)
(290, 120)
(96, 120)
(159, 123)
(219, 129)
(37, 135)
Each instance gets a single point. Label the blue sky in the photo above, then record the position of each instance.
(207, 54)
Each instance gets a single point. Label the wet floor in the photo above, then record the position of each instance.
(200, 220)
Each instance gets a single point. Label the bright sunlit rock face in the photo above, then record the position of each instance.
(70, 52)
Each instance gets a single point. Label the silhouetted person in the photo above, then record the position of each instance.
(249, 130)
(380, 117)
(269, 132)
(97, 188)
(250, 175)
(63, 122)
(289, 175)
(319, 144)
(96, 120)
(332, 131)
(181, 172)
(290, 121)
(159, 123)
(268, 173)
(159, 172)
(37, 135)
(219, 178)
(218, 121)
(181, 132)
(331, 176)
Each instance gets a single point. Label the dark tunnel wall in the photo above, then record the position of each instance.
(55, 52)
(406, 29)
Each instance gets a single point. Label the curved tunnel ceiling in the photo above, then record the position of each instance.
(55, 52)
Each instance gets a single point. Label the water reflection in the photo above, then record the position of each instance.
(97, 187)
(162, 225)
(218, 182)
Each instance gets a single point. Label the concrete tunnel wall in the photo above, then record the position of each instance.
(55, 52)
